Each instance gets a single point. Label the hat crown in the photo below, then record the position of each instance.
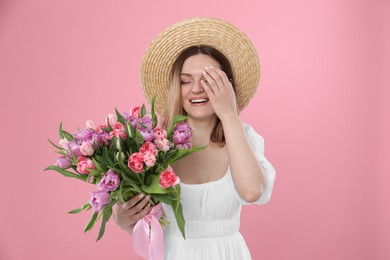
(166, 47)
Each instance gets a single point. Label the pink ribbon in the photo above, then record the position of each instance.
(148, 236)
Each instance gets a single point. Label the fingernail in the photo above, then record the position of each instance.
(147, 197)
(211, 67)
(141, 195)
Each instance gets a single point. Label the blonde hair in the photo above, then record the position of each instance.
(174, 104)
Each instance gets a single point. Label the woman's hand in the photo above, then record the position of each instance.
(128, 213)
(220, 92)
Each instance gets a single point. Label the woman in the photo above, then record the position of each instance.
(202, 83)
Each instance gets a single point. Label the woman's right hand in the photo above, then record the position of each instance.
(128, 213)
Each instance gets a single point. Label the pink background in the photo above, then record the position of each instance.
(321, 107)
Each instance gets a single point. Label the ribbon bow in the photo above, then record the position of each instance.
(148, 236)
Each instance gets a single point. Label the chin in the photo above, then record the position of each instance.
(200, 113)
(202, 116)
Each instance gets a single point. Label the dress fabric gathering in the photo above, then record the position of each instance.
(212, 213)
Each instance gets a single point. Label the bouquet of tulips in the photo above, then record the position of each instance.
(125, 156)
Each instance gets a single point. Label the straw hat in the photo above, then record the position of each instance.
(234, 44)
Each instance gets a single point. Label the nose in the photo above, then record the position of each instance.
(197, 87)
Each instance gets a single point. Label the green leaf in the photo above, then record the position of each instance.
(78, 210)
(143, 110)
(67, 135)
(163, 198)
(128, 194)
(165, 157)
(139, 139)
(61, 152)
(67, 173)
(106, 156)
(102, 163)
(179, 216)
(60, 133)
(135, 187)
(109, 127)
(91, 222)
(179, 118)
(154, 187)
(97, 165)
(181, 153)
(152, 103)
(132, 129)
(112, 147)
(107, 212)
(126, 173)
(94, 172)
(154, 117)
(56, 146)
(121, 119)
(120, 192)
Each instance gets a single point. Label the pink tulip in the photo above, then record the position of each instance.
(83, 164)
(159, 133)
(118, 130)
(135, 111)
(136, 162)
(64, 143)
(163, 145)
(86, 149)
(148, 147)
(149, 159)
(111, 119)
(168, 178)
(89, 124)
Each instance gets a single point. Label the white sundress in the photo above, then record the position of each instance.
(212, 213)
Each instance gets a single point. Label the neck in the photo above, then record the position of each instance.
(201, 130)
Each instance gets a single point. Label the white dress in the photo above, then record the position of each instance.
(212, 213)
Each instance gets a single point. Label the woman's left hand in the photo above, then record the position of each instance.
(220, 92)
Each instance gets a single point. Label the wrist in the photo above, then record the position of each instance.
(130, 229)
(229, 119)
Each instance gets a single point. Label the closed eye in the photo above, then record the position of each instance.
(184, 82)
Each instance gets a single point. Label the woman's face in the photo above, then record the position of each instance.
(194, 98)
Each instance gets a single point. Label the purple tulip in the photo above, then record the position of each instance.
(74, 148)
(182, 135)
(147, 122)
(63, 162)
(126, 116)
(147, 134)
(109, 182)
(134, 122)
(99, 199)
(100, 138)
(83, 135)
(182, 126)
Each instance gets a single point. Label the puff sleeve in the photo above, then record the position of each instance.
(256, 142)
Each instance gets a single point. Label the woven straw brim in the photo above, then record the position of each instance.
(233, 43)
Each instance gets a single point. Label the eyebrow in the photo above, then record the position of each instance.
(190, 74)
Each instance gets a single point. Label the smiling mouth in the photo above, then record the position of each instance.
(199, 100)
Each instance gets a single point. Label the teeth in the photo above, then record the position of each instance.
(198, 100)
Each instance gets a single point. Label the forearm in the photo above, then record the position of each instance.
(247, 173)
